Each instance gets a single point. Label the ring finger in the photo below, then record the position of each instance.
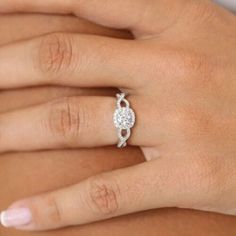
(70, 122)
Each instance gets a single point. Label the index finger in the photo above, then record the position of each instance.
(97, 198)
(143, 17)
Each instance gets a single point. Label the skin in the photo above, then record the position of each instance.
(199, 203)
(31, 168)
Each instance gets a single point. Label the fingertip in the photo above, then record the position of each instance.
(16, 217)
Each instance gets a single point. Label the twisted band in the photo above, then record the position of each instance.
(124, 119)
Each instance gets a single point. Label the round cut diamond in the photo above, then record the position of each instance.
(124, 118)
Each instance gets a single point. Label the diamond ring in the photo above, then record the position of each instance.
(124, 119)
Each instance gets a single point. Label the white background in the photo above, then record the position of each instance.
(231, 4)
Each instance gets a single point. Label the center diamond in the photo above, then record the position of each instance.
(124, 118)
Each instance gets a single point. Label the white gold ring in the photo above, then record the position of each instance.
(124, 119)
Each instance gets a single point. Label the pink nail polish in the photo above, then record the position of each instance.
(16, 217)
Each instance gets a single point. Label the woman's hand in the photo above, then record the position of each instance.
(179, 73)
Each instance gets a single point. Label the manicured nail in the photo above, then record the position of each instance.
(16, 217)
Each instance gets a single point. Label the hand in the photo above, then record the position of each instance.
(17, 169)
(180, 75)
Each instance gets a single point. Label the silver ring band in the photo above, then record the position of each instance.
(124, 119)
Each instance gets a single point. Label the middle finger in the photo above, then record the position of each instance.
(67, 59)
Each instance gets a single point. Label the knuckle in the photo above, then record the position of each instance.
(54, 209)
(208, 177)
(194, 123)
(205, 181)
(214, 180)
(56, 54)
(47, 211)
(65, 119)
(193, 70)
(103, 196)
(204, 12)
(192, 65)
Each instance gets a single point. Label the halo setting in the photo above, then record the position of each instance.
(124, 118)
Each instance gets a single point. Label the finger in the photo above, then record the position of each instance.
(64, 123)
(67, 59)
(101, 197)
(145, 17)
(45, 24)
(11, 100)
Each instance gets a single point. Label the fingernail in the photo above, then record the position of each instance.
(16, 217)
